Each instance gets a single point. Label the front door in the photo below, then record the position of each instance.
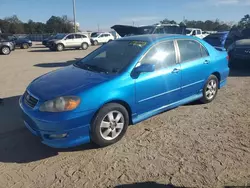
(70, 40)
(195, 66)
(161, 87)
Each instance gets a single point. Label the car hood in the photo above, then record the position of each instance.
(243, 42)
(123, 30)
(64, 81)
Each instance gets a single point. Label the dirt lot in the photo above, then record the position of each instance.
(192, 146)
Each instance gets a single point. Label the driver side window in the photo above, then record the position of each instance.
(70, 37)
(161, 55)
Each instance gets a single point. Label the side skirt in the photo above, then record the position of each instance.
(146, 115)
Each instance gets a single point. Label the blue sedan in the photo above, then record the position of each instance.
(123, 82)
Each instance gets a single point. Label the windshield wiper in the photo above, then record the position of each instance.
(92, 68)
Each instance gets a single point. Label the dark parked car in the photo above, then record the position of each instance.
(217, 39)
(6, 46)
(22, 42)
(45, 41)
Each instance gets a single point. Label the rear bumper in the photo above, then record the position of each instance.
(74, 126)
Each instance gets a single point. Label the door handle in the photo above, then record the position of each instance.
(175, 70)
(206, 62)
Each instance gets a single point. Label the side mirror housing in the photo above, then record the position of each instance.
(145, 68)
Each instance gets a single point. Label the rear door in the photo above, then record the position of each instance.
(78, 40)
(195, 66)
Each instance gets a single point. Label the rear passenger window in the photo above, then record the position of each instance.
(78, 36)
(159, 30)
(204, 52)
(189, 50)
(161, 55)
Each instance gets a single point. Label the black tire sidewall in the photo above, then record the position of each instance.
(204, 99)
(96, 42)
(96, 123)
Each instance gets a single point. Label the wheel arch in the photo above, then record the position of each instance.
(217, 74)
(117, 101)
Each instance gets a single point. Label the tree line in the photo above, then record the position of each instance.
(63, 24)
(210, 25)
(55, 24)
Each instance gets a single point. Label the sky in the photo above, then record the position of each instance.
(106, 13)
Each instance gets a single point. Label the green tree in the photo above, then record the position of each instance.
(244, 22)
(167, 21)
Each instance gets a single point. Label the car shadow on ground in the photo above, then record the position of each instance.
(147, 185)
(57, 64)
(48, 50)
(17, 144)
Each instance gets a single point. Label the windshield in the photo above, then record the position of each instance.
(60, 36)
(94, 34)
(146, 30)
(112, 57)
(188, 31)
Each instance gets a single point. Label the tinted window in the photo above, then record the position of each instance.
(204, 52)
(78, 36)
(70, 37)
(161, 55)
(189, 50)
(198, 32)
(112, 57)
(159, 30)
(102, 35)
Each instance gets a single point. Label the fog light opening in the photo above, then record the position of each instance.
(58, 136)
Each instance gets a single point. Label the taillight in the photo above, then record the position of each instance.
(228, 58)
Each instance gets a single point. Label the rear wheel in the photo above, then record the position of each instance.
(85, 46)
(59, 47)
(110, 124)
(25, 46)
(210, 89)
(5, 50)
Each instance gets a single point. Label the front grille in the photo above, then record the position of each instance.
(30, 100)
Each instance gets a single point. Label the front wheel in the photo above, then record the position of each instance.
(110, 124)
(25, 46)
(59, 47)
(210, 89)
(5, 50)
(95, 42)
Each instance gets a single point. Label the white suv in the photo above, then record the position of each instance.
(99, 38)
(72, 40)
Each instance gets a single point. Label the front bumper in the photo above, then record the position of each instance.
(76, 126)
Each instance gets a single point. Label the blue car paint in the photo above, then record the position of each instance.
(143, 97)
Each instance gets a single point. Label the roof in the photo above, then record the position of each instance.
(154, 37)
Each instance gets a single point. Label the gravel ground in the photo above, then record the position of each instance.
(191, 146)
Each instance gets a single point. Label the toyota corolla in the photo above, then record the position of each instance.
(123, 82)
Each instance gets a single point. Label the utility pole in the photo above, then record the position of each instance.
(98, 27)
(74, 13)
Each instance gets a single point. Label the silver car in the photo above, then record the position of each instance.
(72, 40)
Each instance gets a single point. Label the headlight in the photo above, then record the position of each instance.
(61, 104)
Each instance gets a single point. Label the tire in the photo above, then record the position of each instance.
(59, 47)
(25, 46)
(102, 128)
(84, 46)
(210, 89)
(109, 41)
(96, 42)
(5, 50)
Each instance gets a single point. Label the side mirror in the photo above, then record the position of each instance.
(145, 68)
